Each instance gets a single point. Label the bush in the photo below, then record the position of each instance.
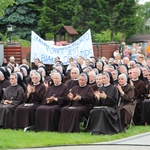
(105, 37)
(21, 41)
(4, 38)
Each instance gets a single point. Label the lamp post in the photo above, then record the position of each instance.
(9, 29)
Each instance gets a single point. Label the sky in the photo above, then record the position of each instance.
(143, 1)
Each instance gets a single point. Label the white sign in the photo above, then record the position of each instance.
(46, 51)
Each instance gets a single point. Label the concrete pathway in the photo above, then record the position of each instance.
(138, 142)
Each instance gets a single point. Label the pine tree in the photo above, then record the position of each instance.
(22, 17)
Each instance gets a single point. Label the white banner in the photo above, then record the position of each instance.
(46, 51)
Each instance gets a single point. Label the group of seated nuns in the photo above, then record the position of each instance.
(62, 106)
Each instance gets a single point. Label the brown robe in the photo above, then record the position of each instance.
(15, 94)
(127, 104)
(48, 115)
(25, 115)
(72, 115)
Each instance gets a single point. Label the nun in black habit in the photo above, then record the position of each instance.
(145, 119)
(105, 117)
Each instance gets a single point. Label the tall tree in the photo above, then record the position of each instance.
(122, 16)
(22, 17)
(48, 16)
(143, 14)
(4, 5)
(53, 15)
(91, 15)
(100, 15)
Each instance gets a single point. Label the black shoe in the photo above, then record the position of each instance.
(86, 130)
(29, 128)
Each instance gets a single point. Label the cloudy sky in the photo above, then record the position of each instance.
(143, 1)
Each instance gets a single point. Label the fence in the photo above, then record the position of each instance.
(14, 49)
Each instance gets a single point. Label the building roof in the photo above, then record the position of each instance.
(68, 29)
(139, 38)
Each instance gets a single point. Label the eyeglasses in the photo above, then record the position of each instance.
(113, 74)
(130, 73)
(34, 77)
(135, 73)
(11, 78)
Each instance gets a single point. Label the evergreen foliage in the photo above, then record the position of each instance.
(143, 14)
(4, 5)
(47, 16)
(22, 17)
(53, 15)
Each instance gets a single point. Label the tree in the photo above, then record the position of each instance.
(101, 15)
(91, 15)
(22, 17)
(53, 15)
(122, 17)
(47, 16)
(4, 5)
(143, 14)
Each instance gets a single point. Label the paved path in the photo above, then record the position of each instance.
(139, 142)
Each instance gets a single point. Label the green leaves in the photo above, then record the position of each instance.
(47, 16)
(23, 18)
(5, 4)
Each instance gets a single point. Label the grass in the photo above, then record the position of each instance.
(19, 139)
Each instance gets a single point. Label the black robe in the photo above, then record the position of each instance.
(105, 116)
(145, 119)
(140, 91)
(25, 115)
(71, 83)
(95, 87)
(72, 115)
(3, 85)
(15, 94)
(48, 115)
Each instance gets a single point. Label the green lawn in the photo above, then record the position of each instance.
(20, 139)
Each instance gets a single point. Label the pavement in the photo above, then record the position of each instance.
(138, 142)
